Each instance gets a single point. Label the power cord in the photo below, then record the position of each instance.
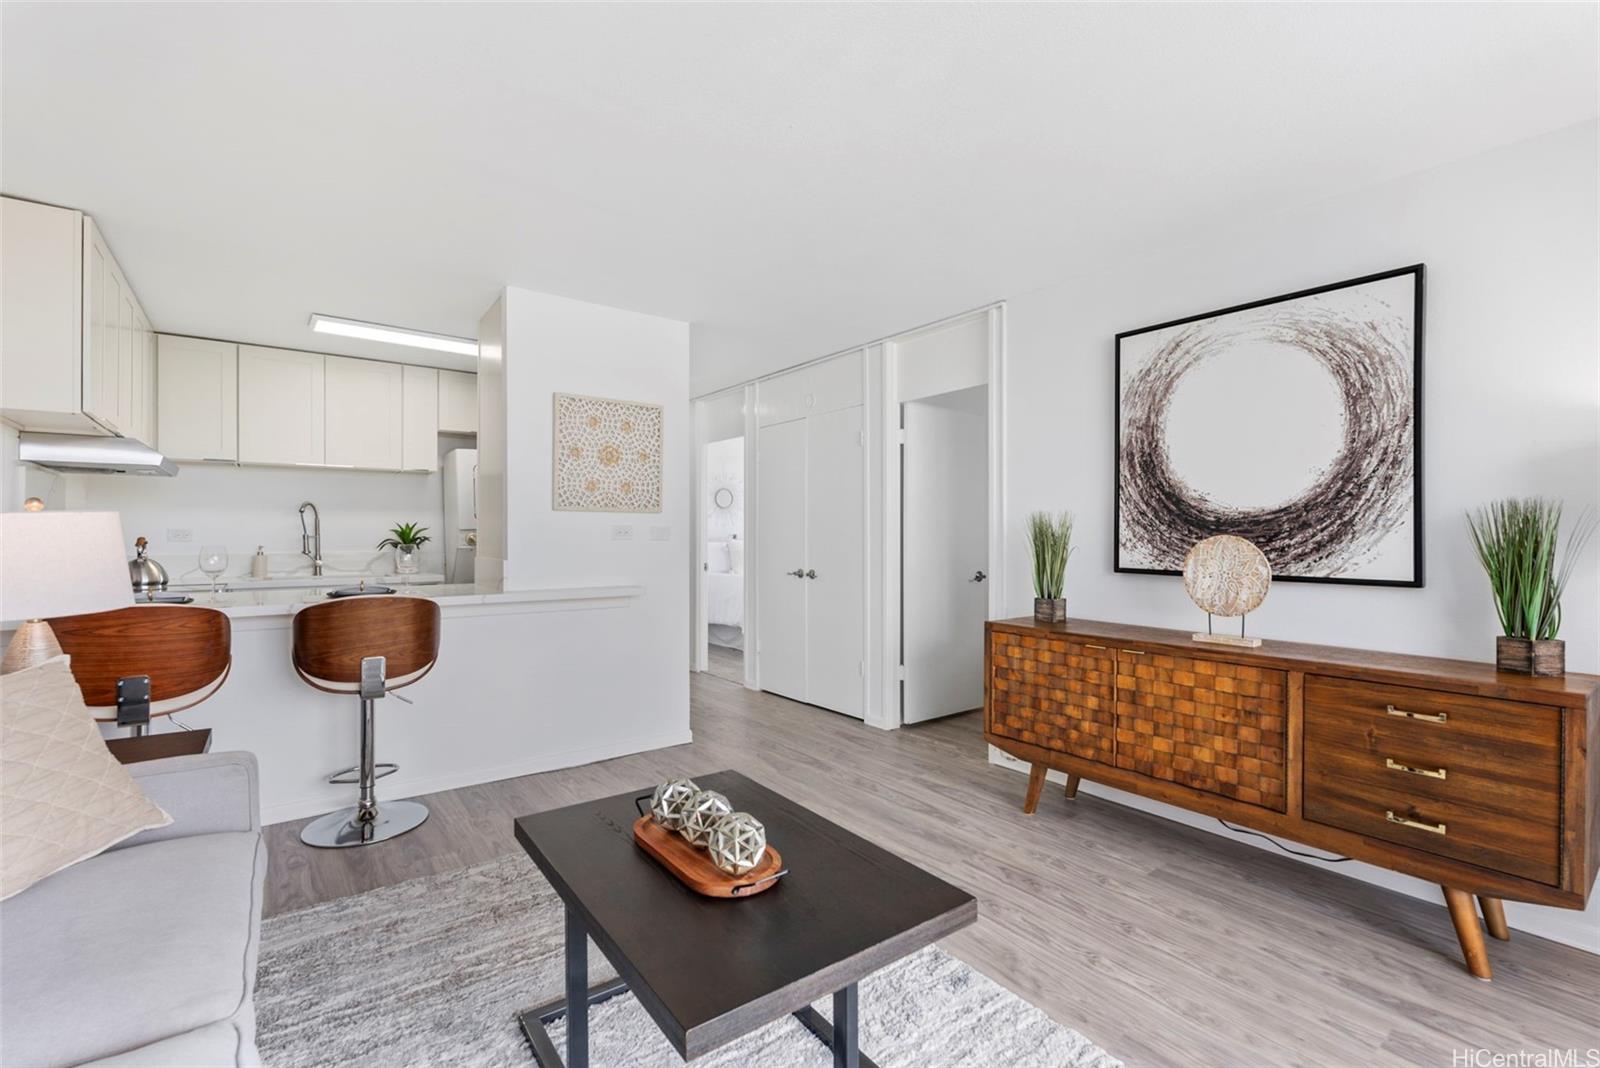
(1280, 845)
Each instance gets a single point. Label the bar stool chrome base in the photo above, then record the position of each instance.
(339, 829)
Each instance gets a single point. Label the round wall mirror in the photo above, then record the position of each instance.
(723, 498)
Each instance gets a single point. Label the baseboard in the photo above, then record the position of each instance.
(1567, 926)
(286, 811)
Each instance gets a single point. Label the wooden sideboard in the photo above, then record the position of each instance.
(1442, 769)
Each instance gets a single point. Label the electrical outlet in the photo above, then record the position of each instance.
(178, 535)
(660, 533)
(622, 532)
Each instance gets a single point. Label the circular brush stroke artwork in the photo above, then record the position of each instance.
(1359, 497)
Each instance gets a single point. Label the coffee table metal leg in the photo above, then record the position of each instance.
(574, 1006)
(842, 1035)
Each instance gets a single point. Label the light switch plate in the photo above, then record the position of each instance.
(622, 532)
(660, 533)
(178, 535)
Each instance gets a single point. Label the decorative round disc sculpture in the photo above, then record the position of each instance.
(737, 842)
(1226, 575)
(666, 805)
(700, 813)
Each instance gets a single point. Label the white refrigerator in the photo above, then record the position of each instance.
(460, 514)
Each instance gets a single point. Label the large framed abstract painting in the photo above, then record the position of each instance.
(607, 455)
(1293, 422)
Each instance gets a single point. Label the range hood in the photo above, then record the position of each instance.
(86, 454)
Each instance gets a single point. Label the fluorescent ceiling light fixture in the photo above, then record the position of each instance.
(393, 335)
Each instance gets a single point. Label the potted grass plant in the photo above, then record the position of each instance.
(407, 540)
(1050, 539)
(1517, 543)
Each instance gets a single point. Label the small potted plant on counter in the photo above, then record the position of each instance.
(1516, 541)
(407, 540)
(1050, 539)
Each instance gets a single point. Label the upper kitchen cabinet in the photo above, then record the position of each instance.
(365, 413)
(419, 447)
(281, 421)
(197, 398)
(76, 348)
(458, 402)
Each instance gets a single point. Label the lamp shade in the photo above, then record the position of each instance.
(61, 564)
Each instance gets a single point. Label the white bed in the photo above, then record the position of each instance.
(725, 583)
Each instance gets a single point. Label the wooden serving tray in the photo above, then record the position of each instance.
(694, 869)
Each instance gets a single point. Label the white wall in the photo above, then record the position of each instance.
(725, 470)
(1511, 383)
(555, 345)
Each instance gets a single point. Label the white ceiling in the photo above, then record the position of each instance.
(790, 178)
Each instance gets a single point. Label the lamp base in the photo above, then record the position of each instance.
(32, 644)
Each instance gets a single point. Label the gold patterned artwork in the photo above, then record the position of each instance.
(607, 455)
(1226, 575)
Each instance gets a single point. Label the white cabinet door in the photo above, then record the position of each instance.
(458, 402)
(365, 413)
(42, 319)
(281, 419)
(197, 399)
(835, 562)
(103, 300)
(781, 526)
(419, 448)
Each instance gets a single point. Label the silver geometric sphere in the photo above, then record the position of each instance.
(666, 804)
(737, 843)
(700, 812)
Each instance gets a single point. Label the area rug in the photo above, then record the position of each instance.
(432, 971)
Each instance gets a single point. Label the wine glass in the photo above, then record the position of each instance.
(213, 561)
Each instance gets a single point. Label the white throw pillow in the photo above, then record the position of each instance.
(717, 557)
(63, 796)
(736, 556)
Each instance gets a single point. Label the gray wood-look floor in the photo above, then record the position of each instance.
(1163, 944)
(725, 663)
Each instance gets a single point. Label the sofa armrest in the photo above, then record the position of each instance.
(206, 793)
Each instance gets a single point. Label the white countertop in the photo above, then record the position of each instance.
(240, 604)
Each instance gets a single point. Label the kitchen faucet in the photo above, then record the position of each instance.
(311, 544)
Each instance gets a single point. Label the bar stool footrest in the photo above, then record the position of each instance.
(351, 776)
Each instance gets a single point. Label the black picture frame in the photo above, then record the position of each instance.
(1417, 581)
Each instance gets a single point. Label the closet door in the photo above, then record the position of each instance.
(836, 571)
(781, 526)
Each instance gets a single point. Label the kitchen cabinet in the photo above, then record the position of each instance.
(458, 402)
(419, 423)
(365, 413)
(197, 392)
(75, 345)
(282, 420)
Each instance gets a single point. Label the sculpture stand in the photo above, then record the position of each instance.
(1227, 639)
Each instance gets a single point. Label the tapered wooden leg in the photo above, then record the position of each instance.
(1072, 786)
(1494, 917)
(1465, 917)
(1035, 784)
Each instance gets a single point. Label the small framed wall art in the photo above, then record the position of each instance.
(1293, 422)
(607, 455)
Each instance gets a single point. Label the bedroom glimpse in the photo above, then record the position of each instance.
(724, 570)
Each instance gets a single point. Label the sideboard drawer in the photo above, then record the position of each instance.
(1053, 693)
(1461, 776)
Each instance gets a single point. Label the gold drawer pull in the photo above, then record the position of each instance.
(1088, 646)
(1394, 765)
(1431, 828)
(1431, 717)
(1134, 652)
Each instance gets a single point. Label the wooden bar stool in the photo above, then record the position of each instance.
(367, 647)
(146, 660)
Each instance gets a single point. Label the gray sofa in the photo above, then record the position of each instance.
(145, 954)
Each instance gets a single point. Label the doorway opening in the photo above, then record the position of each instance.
(944, 552)
(723, 576)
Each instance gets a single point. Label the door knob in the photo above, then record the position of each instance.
(979, 577)
(811, 573)
(797, 573)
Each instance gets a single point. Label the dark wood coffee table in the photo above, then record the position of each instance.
(710, 970)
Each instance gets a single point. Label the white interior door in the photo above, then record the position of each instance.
(781, 526)
(944, 548)
(835, 564)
